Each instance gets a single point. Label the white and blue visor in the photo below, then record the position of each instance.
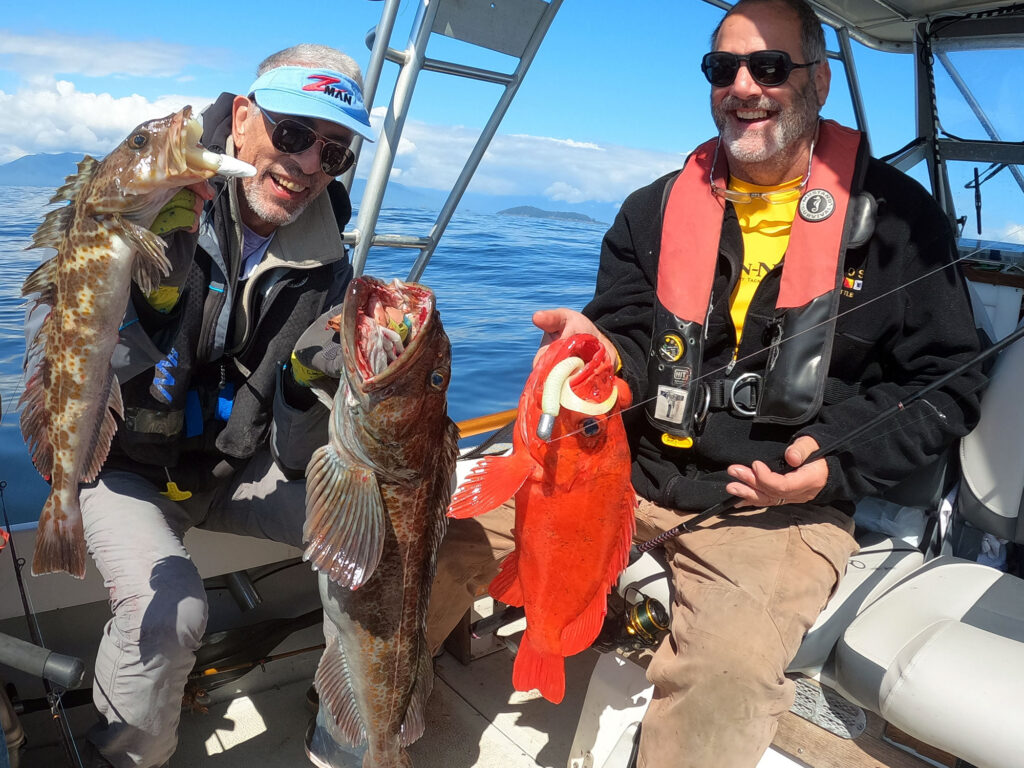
(317, 93)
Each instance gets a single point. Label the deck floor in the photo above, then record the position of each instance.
(475, 718)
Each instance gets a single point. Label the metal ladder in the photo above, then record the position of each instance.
(512, 27)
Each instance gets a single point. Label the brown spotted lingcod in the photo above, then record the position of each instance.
(376, 496)
(103, 243)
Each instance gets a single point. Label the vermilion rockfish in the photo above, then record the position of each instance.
(376, 496)
(103, 243)
(569, 473)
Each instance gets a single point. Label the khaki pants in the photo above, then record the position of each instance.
(746, 587)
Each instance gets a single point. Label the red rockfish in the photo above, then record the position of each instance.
(574, 507)
(375, 501)
(103, 243)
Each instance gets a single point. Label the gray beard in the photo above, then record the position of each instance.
(268, 213)
(776, 145)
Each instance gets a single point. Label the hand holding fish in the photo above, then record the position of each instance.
(759, 486)
(562, 323)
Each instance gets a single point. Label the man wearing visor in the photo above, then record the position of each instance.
(767, 299)
(215, 366)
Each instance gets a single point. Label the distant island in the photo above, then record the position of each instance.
(536, 213)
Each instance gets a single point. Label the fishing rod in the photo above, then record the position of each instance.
(845, 441)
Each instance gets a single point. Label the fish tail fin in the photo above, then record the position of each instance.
(493, 481)
(536, 669)
(60, 542)
(506, 587)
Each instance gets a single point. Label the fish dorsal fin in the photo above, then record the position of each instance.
(73, 184)
(35, 418)
(334, 686)
(493, 481)
(345, 518)
(151, 262)
(42, 281)
(506, 587)
(51, 232)
(415, 722)
(105, 434)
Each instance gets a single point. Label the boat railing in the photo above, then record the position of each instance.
(511, 27)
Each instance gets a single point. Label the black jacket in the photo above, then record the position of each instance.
(907, 323)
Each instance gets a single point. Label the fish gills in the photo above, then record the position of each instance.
(376, 496)
(575, 510)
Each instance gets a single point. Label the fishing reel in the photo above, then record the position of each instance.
(638, 615)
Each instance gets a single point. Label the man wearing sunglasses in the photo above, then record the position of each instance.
(767, 299)
(215, 367)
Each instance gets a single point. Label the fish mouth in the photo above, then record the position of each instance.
(189, 154)
(382, 325)
(582, 382)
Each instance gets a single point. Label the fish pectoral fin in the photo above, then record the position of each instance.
(151, 263)
(334, 686)
(506, 587)
(345, 519)
(493, 481)
(535, 668)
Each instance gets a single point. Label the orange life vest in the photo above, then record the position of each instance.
(791, 386)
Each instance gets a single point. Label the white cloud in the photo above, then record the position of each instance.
(561, 168)
(51, 54)
(51, 115)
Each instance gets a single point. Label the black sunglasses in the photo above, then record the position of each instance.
(291, 137)
(769, 68)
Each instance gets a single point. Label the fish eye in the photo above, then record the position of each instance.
(138, 141)
(590, 427)
(437, 378)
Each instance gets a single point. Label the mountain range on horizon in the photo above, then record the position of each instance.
(50, 170)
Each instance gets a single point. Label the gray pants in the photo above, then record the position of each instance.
(157, 596)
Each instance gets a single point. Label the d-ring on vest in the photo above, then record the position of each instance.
(793, 381)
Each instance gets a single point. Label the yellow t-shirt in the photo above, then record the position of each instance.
(765, 227)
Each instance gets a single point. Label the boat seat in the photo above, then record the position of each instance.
(991, 494)
(941, 657)
(880, 563)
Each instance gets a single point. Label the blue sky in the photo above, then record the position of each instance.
(614, 98)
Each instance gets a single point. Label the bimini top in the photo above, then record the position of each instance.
(889, 24)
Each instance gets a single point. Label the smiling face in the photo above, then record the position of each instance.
(767, 131)
(284, 183)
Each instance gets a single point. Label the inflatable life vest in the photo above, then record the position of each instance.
(790, 389)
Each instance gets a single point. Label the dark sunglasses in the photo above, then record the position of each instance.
(291, 137)
(769, 68)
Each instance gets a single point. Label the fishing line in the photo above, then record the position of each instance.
(765, 350)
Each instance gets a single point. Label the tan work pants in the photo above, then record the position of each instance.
(746, 587)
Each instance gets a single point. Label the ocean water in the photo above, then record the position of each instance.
(490, 273)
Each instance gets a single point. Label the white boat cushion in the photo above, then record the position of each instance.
(879, 564)
(941, 657)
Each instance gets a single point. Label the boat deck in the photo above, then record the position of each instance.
(475, 718)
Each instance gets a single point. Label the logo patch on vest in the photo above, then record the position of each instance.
(816, 205)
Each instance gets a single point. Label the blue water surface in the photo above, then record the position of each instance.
(490, 273)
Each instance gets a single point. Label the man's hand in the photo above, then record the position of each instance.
(182, 211)
(317, 353)
(560, 323)
(758, 486)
